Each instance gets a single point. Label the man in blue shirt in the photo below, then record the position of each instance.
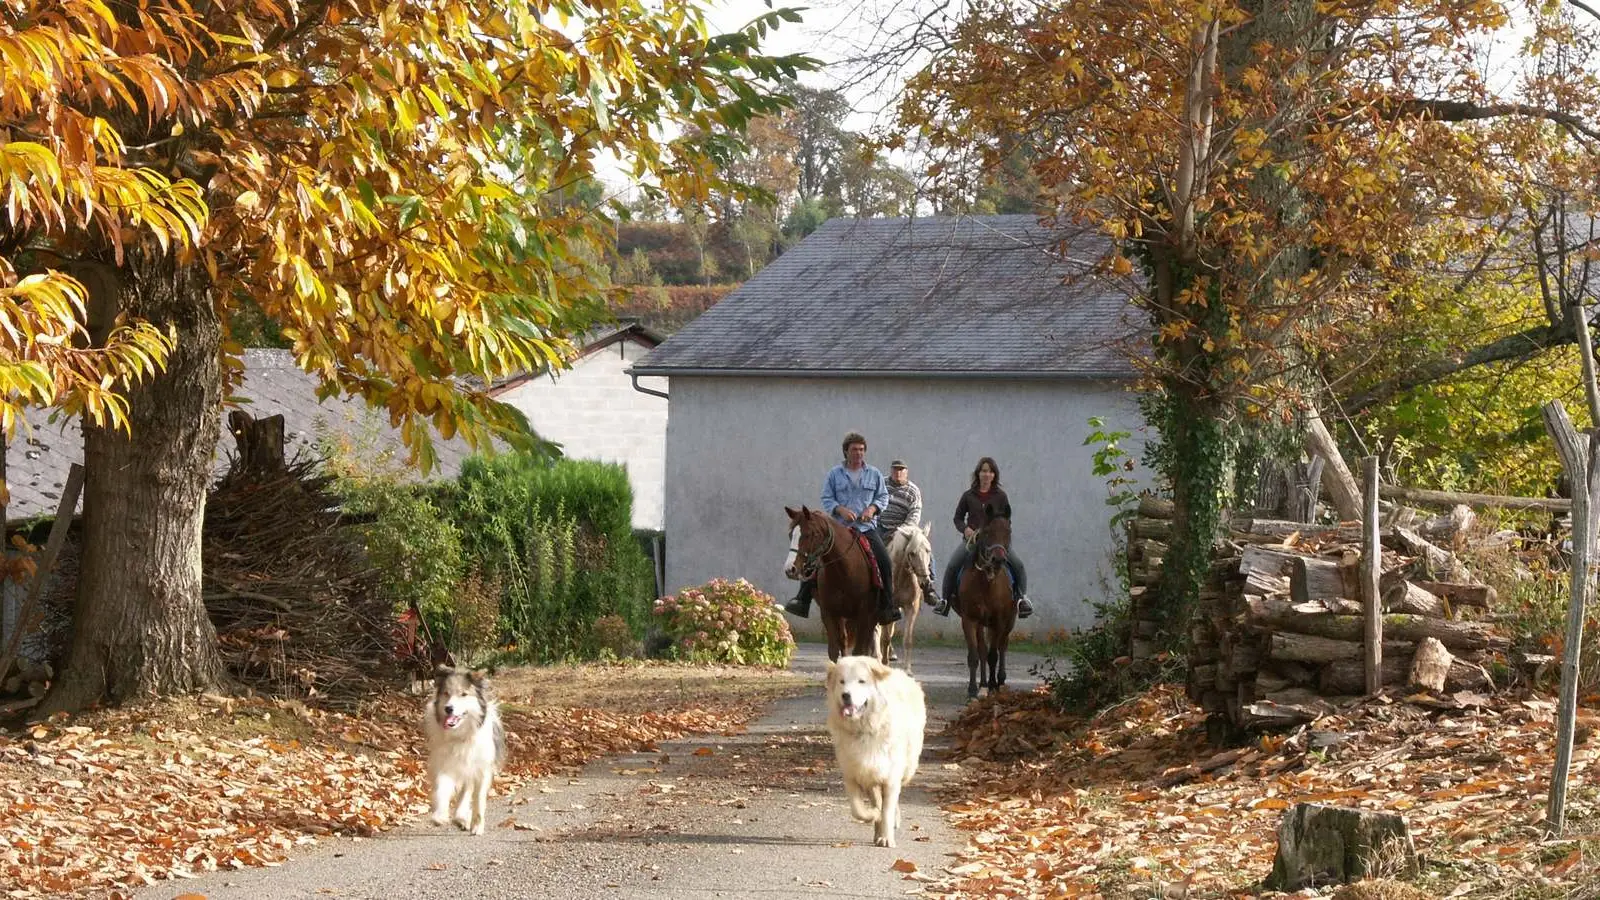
(854, 493)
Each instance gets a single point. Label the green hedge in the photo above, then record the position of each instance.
(558, 539)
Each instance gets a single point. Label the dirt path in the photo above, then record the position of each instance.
(759, 814)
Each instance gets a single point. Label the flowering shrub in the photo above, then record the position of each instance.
(726, 622)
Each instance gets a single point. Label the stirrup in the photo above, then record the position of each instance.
(1024, 607)
(942, 607)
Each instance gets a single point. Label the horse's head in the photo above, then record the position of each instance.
(911, 547)
(810, 536)
(994, 539)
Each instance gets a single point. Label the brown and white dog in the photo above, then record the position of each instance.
(466, 745)
(876, 716)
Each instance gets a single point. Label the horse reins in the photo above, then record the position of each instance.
(814, 560)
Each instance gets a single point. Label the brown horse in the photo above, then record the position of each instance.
(988, 611)
(846, 597)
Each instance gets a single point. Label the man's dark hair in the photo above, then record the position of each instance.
(853, 437)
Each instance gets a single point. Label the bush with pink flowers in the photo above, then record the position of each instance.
(726, 622)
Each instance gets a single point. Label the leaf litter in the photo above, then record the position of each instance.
(1135, 803)
(104, 802)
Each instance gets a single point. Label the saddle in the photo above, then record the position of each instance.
(872, 560)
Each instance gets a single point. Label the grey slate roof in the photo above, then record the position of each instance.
(37, 464)
(936, 296)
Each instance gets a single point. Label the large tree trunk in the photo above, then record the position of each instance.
(140, 627)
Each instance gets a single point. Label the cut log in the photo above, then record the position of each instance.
(1446, 528)
(1268, 680)
(1152, 528)
(1457, 636)
(1290, 647)
(1430, 665)
(1441, 564)
(1155, 508)
(1280, 530)
(1264, 561)
(1321, 845)
(1346, 676)
(1264, 585)
(1320, 579)
(1267, 714)
(1480, 595)
(1486, 501)
(1405, 597)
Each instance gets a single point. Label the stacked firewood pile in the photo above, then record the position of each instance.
(1278, 635)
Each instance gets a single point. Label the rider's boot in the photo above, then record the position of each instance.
(1024, 606)
(888, 612)
(800, 606)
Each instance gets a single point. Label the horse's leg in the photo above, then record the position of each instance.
(886, 642)
(993, 635)
(1004, 641)
(970, 631)
(911, 625)
(831, 626)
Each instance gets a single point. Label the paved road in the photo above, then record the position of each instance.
(761, 814)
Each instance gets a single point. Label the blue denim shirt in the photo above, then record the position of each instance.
(837, 491)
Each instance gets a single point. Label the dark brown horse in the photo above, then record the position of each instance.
(988, 611)
(846, 596)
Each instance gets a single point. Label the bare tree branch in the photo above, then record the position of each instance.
(1512, 346)
(1465, 111)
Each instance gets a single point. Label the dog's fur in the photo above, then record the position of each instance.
(876, 716)
(466, 745)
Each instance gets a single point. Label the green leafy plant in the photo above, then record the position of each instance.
(415, 552)
(726, 622)
(557, 535)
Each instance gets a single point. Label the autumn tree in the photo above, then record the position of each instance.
(383, 179)
(1276, 169)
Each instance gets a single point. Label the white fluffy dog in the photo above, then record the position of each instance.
(466, 744)
(876, 716)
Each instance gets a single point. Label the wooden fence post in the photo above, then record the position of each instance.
(1580, 457)
(1371, 566)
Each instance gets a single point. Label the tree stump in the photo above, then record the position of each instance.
(1322, 845)
(260, 443)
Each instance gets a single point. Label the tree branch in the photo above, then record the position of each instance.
(1585, 7)
(1463, 111)
(1512, 346)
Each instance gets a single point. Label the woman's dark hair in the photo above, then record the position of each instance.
(993, 466)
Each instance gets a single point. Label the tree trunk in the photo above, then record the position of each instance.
(139, 626)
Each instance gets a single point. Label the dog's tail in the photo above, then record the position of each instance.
(499, 743)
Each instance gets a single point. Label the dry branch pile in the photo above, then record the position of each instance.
(290, 591)
(1279, 628)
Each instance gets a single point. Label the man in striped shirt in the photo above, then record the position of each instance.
(905, 508)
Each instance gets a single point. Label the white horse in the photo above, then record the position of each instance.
(910, 550)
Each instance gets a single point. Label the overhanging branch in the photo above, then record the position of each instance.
(1463, 111)
(1510, 347)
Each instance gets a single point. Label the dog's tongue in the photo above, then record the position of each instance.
(850, 710)
(452, 721)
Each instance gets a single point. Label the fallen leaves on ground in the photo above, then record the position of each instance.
(1135, 802)
(112, 799)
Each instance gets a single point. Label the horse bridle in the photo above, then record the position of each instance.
(812, 561)
(984, 559)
